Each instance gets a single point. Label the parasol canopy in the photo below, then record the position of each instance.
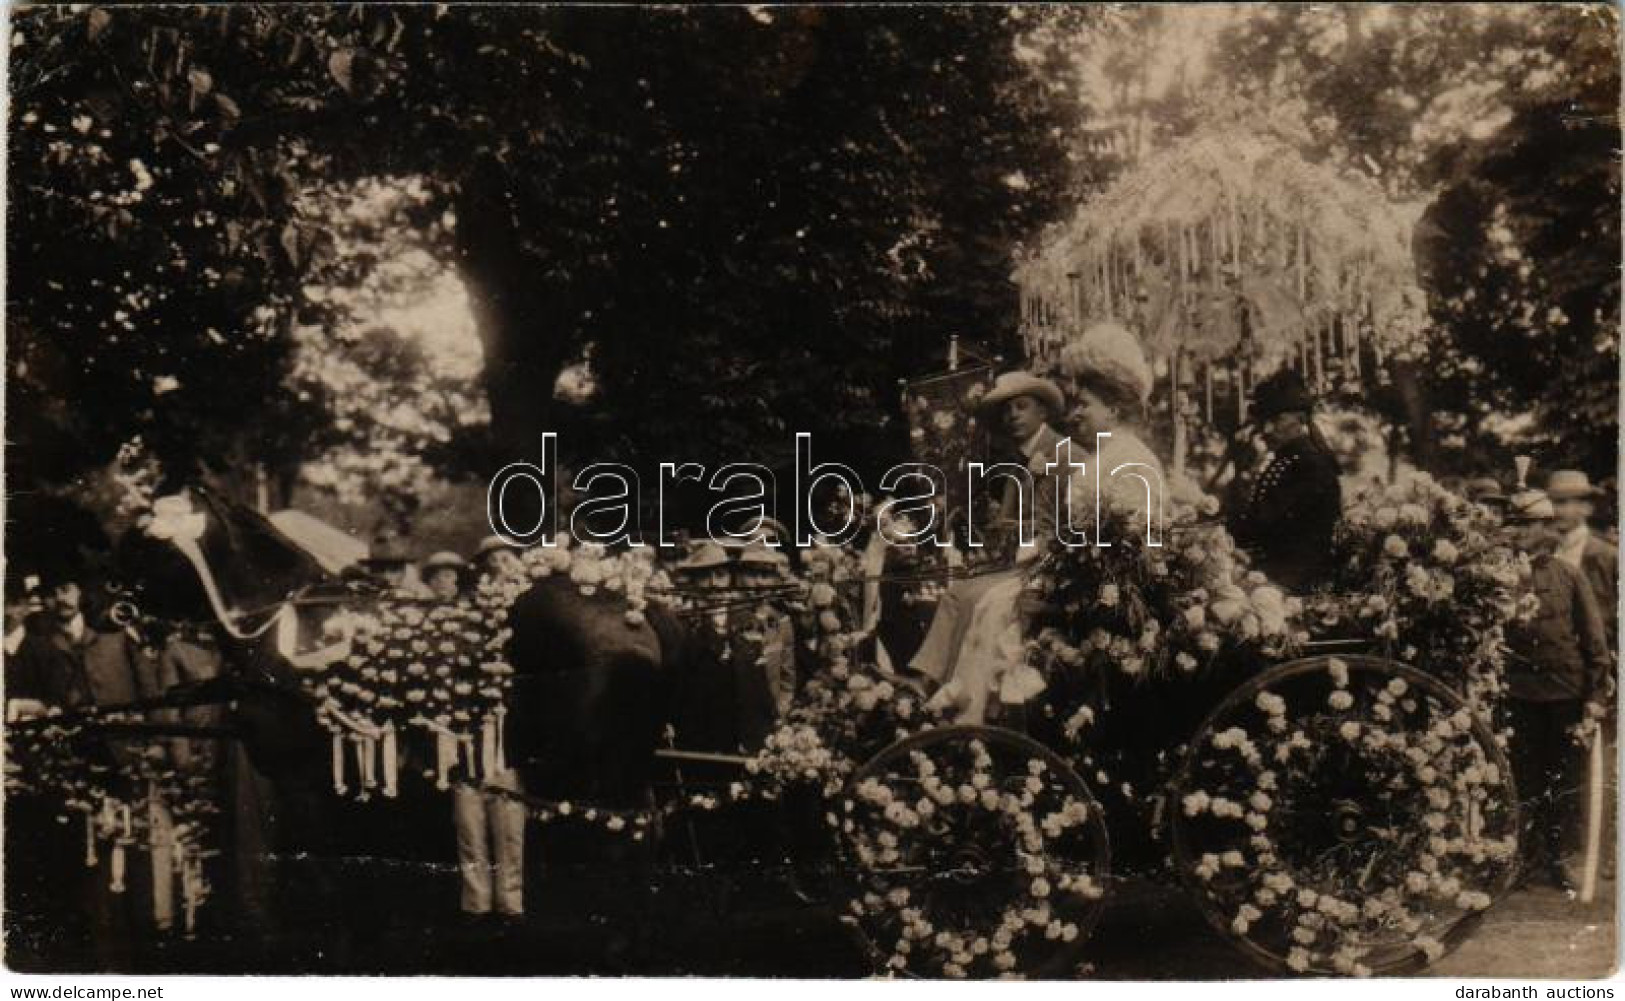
(1229, 244)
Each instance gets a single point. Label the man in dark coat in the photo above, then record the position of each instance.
(1284, 515)
(1556, 662)
(1573, 501)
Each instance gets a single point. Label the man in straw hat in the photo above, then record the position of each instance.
(1556, 661)
(496, 558)
(443, 575)
(1030, 405)
(1286, 515)
(1574, 502)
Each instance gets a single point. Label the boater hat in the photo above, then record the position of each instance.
(1013, 384)
(1569, 484)
(444, 560)
(708, 556)
(1530, 505)
(490, 544)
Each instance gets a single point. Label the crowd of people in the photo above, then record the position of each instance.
(1282, 502)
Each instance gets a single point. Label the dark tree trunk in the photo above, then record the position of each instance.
(519, 314)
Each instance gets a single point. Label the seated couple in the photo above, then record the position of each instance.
(974, 649)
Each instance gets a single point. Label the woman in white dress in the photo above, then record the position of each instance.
(1111, 381)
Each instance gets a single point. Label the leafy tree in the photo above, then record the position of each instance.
(1521, 250)
(761, 218)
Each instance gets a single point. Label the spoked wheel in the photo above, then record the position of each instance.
(1345, 815)
(976, 852)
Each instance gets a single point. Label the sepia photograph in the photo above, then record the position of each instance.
(1120, 492)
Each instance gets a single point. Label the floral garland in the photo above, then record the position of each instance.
(432, 667)
(136, 797)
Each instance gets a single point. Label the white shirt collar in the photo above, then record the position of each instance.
(75, 627)
(14, 639)
(1032, 446)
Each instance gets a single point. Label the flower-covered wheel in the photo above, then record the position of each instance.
(976, 852)
(1344, 815)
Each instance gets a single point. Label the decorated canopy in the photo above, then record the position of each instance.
(1231, 245)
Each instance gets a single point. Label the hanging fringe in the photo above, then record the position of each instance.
(466, 758)
(90, 839)
(444, 748)
(191, 877)
(488, 747)
(501, 727)
(117, 874)
(391, 762)
(338, 764)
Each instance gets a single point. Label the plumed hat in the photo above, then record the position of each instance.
(1109, 352)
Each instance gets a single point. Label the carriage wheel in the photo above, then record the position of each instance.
(976, 852)
(1345, 815)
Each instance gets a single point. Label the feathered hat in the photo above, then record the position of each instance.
(1109, 352)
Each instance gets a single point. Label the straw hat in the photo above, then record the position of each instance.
(490, 544)
(708, 556)
(444, 560)
(1570, 484)
(1530, 505)
(1013, 384)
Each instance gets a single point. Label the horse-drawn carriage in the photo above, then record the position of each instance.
(1330, 809)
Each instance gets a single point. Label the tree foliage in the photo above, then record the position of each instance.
(758, 217)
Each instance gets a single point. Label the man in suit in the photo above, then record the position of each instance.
(89, 660)
(1573, 503)
(1285, 515)
(1030, 405)
(1556, 661)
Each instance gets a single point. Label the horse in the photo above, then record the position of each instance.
(233, 577)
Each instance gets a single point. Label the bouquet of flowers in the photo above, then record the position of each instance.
(1140, 610)
(1422, 571)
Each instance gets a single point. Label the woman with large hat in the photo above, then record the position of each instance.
(1110, 383)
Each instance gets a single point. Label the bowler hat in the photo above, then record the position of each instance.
(1485, 490)
(1284, 392)
(1013, 384)
(1569, 484)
